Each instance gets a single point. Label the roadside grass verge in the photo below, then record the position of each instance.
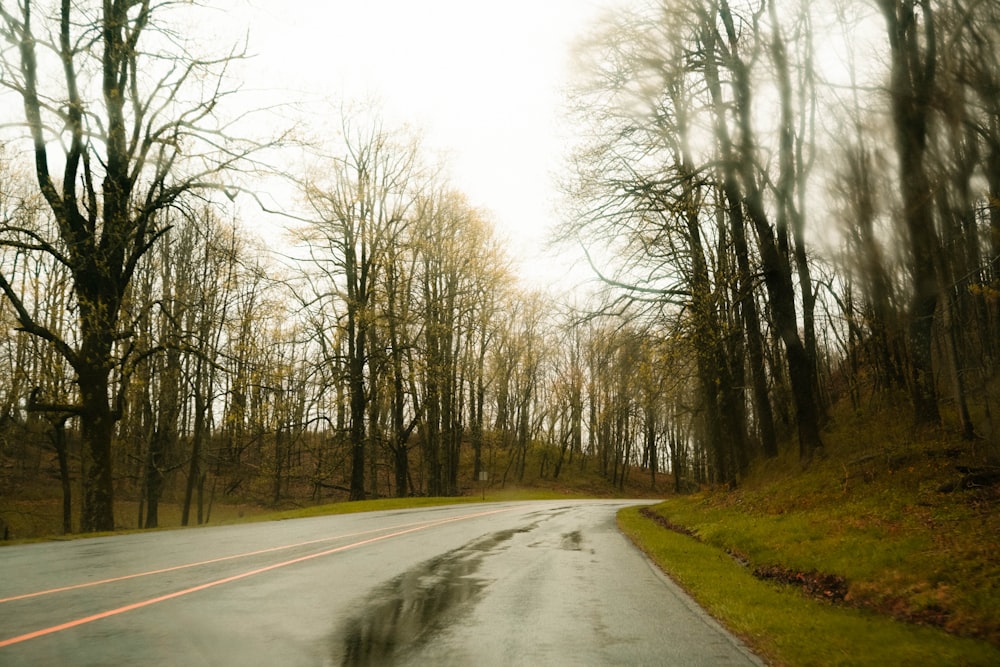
(380, 504)
(782, 625)
(41, 518)
(31, 509)
(891, 549)
(509, 494)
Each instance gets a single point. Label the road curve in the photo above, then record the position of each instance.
(488, 584)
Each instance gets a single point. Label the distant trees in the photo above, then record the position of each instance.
(180, 305)
(361, 210)
(401, 274)
(369, 365)
(169, 358)
(151, 346)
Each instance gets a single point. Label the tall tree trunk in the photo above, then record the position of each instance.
(752, 331)
(400, 432)
(650, 433)
(790, 181)
(913, 66)
(993, 179)
(740, 184)
(98, 312)
(96, 429)
(356, 382)
(163, 438)
(59, 441)
(477, 410)
(194, 467)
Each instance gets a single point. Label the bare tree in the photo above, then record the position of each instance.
(360, 208)
(458, 282)
(912, 37)
(653, 190)
(131, 142)
(728, 78)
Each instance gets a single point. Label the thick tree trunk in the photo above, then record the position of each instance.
(789, 215)
(477, 419)
(164, 437)
(194, 469)
(357, 394)
(430, 435)
(650, 433)
(993, 178)
(715, 381)
(400, 433)
(153, 484)
(401, 465)
(801, 369)
(96, 428)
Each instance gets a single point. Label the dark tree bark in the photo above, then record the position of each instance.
(361, 208)
(912, 42)
(118, 160)
(752, 331)
(740, 183)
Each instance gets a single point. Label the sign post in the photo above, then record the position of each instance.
(484, 477)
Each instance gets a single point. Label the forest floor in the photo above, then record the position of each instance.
(31, 500)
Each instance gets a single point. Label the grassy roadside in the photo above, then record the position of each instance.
(31, 507)
(901, 557)
(407, 503)
(785, 627)
(491, 496)
(45, 513)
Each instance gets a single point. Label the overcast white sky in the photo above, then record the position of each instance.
(482, 79)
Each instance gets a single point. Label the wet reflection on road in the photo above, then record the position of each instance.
(407, 610)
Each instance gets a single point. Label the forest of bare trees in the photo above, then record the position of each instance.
(805, 198)
(788, 206)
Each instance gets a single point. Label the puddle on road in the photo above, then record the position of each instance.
(406, 610)
(572, 541)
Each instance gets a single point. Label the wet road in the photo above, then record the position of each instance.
(495, 584)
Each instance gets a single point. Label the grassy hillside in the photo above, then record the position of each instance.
(896, 530)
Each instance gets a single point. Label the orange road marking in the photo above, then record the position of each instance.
(174, 568)
(236, 577)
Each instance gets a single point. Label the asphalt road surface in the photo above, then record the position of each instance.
(533, 583)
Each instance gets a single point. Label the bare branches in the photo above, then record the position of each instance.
(139, 132)
(29, 325)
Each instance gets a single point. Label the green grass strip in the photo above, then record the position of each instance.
(377, 505)
(783, 626)
(501, 495)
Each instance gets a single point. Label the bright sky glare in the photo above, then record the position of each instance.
(482, 79)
